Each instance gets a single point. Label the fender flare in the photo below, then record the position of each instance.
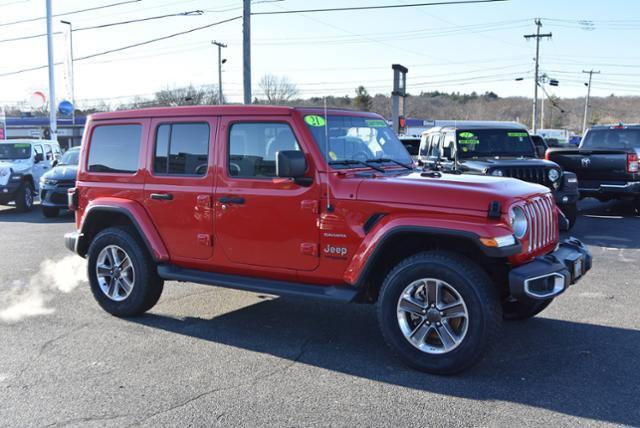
(138, 217)
(358, 269)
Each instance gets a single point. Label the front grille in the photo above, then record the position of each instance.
(66, 183)
(58, 198)
(532, 175)
(543, 223)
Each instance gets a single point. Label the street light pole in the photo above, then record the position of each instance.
(52, 89)
(220, 46)
(71, 72)
(246, 50)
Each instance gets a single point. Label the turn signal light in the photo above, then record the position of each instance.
(546, 154)
(632, 163)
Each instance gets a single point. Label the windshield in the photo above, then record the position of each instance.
(70, 158)
(15, 151)
(494, 142)
(612, 139)
(355, 139)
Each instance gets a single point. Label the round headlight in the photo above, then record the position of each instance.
(497, 173)
(518, 222)
(553, 175)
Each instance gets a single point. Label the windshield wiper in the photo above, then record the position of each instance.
(348, 162)
(381, 160)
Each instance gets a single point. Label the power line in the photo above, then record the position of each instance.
(389, 6)
(23, 21)
(146, 42)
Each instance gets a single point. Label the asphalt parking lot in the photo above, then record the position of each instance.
(206, 356)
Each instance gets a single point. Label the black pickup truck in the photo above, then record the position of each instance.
(502, 149)
(606, 163)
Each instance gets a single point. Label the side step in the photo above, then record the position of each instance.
(268, 286)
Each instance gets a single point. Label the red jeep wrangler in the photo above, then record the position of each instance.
(304, 202)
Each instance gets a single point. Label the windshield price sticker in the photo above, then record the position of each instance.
(517, 134)
(22, 145)
(376, 123)
(315, 120)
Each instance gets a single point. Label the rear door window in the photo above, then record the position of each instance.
(115, 149)
(182, 149)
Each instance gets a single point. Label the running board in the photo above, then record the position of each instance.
(259, 285)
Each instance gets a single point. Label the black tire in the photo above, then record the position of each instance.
(475, 288)
(570, 211)
(523, 309)
(147, 286)
(50, 212)
(24, 197)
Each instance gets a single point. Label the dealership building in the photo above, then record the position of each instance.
(69, 132)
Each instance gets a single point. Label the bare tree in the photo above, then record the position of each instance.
(277, 89)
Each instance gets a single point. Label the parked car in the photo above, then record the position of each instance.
(308, 203)
(411, 143)
(606, 162)
(501, 149)
(22, 163)
(55, 183)
(540, 145)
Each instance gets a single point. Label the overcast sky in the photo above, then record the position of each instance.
(447, 48)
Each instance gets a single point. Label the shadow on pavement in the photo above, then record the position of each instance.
(9, 214)
(607, 224)
(560, 366)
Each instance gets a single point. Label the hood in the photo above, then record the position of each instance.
(62, 172)
(480, 164)
(459, 191)
(17, 165)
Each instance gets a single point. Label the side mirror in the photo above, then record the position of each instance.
(39, 157)
(291, 164)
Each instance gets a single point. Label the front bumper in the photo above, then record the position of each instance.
(550, 275)
(8, 191)
(54, 197)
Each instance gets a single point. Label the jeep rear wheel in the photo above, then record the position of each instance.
(439, 312)
(24, 197)
(122, 274)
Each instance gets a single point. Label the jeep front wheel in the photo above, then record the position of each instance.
(439, 312)
(122, 274)
(24, 197)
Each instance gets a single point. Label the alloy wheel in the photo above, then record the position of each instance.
(115, 272)
(432, 316)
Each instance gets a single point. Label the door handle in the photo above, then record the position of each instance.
(230, 200)
(162, 196)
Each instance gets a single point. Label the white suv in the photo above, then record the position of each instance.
(22, 163)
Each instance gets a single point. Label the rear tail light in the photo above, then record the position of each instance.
(72, 197)
(632, 163)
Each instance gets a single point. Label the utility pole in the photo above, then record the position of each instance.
(536, 36)
(52, 89)
(586, 102)
(71, 73)
(246, 50)
(220, 61)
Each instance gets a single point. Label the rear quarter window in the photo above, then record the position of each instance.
(115, 149)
